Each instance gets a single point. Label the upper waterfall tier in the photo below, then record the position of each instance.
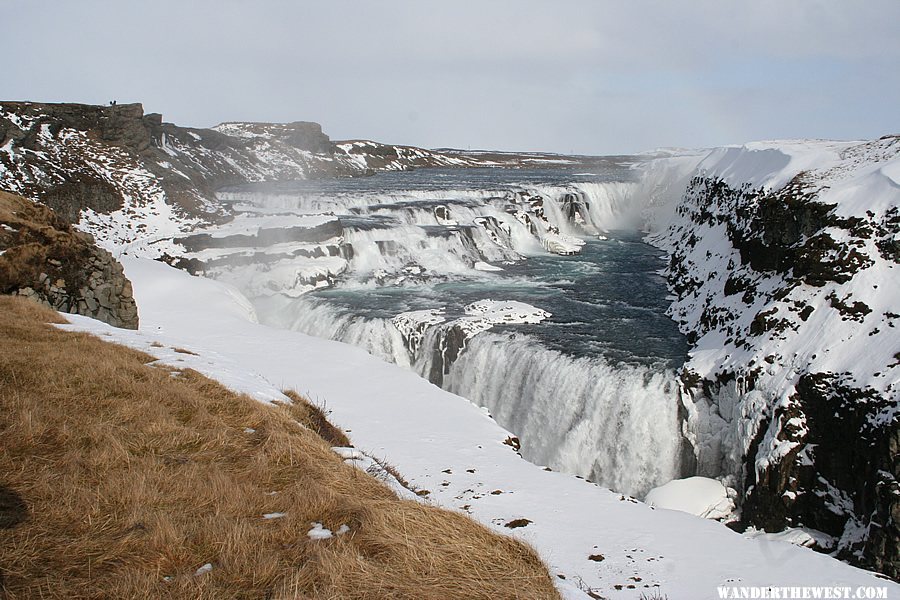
(431, 225)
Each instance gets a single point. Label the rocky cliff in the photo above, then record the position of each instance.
(44, 258)
(784, 261)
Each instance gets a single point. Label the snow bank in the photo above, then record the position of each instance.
(699, 496)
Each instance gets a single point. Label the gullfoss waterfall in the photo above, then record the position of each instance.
(529, 292)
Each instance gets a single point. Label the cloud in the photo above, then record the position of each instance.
(584, 76)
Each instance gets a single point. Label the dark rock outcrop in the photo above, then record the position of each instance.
(841, 475)
(303, 135)
(82, 191)
(45, 259)
(450, 342)
(122, 124)
(783, 231)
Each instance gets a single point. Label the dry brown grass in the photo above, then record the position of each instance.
(39, 235)
(312, 417)
(135, 476)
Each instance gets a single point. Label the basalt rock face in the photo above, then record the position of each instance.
(42, 257)
(450, 342)
(84, 191)
(789, 295)
(840, 475)
(123, 124)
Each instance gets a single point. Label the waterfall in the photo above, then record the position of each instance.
(611, 205)
(314, 317)
(616, 425)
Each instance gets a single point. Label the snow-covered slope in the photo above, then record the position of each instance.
(784, 261)
(90, 170)
(595, 541)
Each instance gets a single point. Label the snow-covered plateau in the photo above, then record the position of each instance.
(770, 402)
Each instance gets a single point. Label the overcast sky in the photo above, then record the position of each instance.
(594, 77)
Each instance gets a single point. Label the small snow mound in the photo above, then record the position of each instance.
(319, 532)
(274, 515)
(562, 244)
(509, 311)
(348, 453)
(203, 570)
(799, 536)
(698, 496)
(483, 266)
